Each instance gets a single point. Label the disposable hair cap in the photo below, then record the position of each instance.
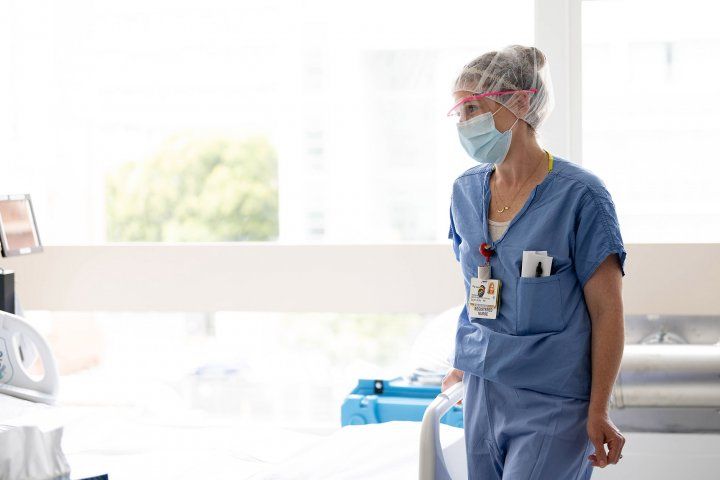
(513, 68)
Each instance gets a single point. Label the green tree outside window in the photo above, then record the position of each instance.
(194, 190)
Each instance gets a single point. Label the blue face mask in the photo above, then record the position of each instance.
(482, 141)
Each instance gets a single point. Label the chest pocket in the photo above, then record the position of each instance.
(539, 305)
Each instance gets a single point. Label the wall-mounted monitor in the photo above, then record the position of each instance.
(18, 229)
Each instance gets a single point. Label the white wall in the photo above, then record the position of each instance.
(418, 278)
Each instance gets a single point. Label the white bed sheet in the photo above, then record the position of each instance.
(129, 445)
(30, 441)
(380, 451)
(174, 443)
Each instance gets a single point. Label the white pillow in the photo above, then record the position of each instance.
(434, 347)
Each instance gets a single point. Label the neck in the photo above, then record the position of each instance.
(521, 161)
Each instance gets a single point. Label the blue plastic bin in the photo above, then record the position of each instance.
(378, 401)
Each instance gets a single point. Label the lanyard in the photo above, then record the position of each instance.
(550, 161)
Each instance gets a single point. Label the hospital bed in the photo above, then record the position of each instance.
(433, 464)
(132, 442)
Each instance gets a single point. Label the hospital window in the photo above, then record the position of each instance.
(649, 119)
(92, 96)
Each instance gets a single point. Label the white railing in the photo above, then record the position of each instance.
(432, 460)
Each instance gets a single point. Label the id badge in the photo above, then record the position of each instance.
(484, 300)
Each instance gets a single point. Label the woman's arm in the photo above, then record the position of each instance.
(603, 296)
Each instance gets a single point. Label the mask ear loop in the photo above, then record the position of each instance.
(517, 119)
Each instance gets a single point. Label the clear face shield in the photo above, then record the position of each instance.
(472, 106)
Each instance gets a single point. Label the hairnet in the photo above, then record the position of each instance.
(513, 68)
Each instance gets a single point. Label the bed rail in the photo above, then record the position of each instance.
(432, 461)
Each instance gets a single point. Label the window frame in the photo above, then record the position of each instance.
(558, 33)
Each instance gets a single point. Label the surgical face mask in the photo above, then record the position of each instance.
(482, 141)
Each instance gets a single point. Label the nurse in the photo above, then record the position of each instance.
(539, 364)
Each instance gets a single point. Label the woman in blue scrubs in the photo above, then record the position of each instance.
(538, 372)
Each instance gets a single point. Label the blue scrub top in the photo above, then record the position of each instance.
(540, 339)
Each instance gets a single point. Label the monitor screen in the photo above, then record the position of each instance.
(18, 230)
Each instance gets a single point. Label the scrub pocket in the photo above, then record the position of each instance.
(539, 305)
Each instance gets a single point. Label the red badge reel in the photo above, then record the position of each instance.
(486, 252)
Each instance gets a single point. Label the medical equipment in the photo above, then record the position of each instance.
(432, 462)
(7, 290)
(378, 401)
(21, 346)
(482, 140)
(18, 236)
(18, 229)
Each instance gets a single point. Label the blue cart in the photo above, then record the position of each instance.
(378, 401)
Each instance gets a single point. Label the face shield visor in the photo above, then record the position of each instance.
(472, 106)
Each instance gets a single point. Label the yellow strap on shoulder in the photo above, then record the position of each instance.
(550, 162)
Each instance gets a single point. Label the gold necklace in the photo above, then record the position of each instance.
(506, 207)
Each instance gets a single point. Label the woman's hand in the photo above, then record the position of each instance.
(453, 376)
(601, 430)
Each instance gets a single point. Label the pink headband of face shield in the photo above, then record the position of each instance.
(483, 95)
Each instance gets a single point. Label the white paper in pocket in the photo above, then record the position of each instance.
(530, 262)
